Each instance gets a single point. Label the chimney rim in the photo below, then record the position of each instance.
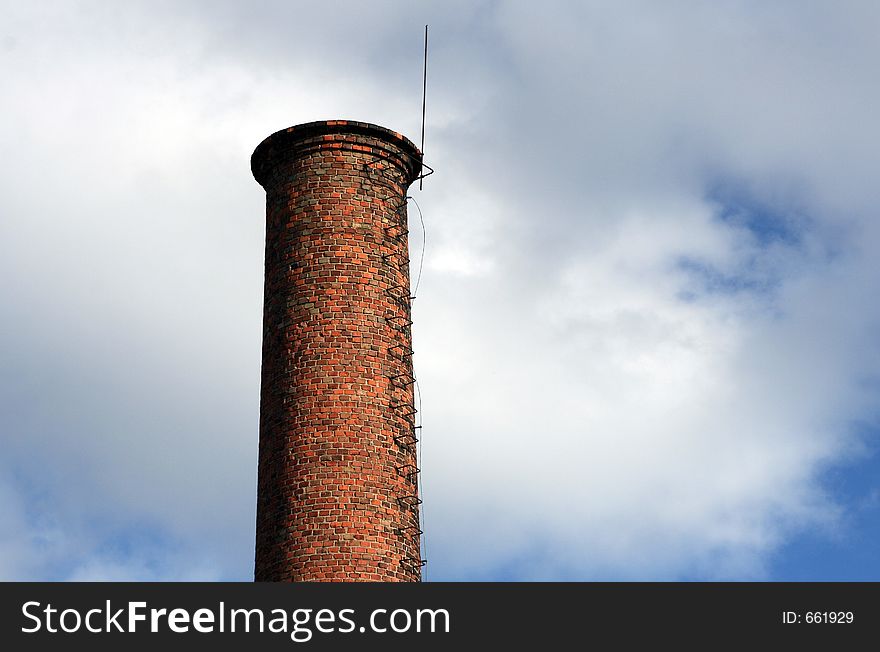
(287, 138)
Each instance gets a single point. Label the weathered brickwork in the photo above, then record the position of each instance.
(337, 489)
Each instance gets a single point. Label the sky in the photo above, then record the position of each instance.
(645, 336)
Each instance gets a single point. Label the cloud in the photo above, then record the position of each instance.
(643, 332)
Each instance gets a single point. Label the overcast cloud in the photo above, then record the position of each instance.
(647, 335)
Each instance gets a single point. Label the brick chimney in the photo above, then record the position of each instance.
(337, 490)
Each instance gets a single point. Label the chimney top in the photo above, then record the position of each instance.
(330, 132)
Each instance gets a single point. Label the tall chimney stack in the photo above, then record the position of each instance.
(338, 488)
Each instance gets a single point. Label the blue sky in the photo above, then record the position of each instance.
(645, 334)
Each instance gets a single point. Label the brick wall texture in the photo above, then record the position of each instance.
(337, 488)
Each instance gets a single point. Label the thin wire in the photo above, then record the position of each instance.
(418, 392)
(424, 243)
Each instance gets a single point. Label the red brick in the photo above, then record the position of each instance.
(331, 503)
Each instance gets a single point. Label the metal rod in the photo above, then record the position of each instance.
(424, 97)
